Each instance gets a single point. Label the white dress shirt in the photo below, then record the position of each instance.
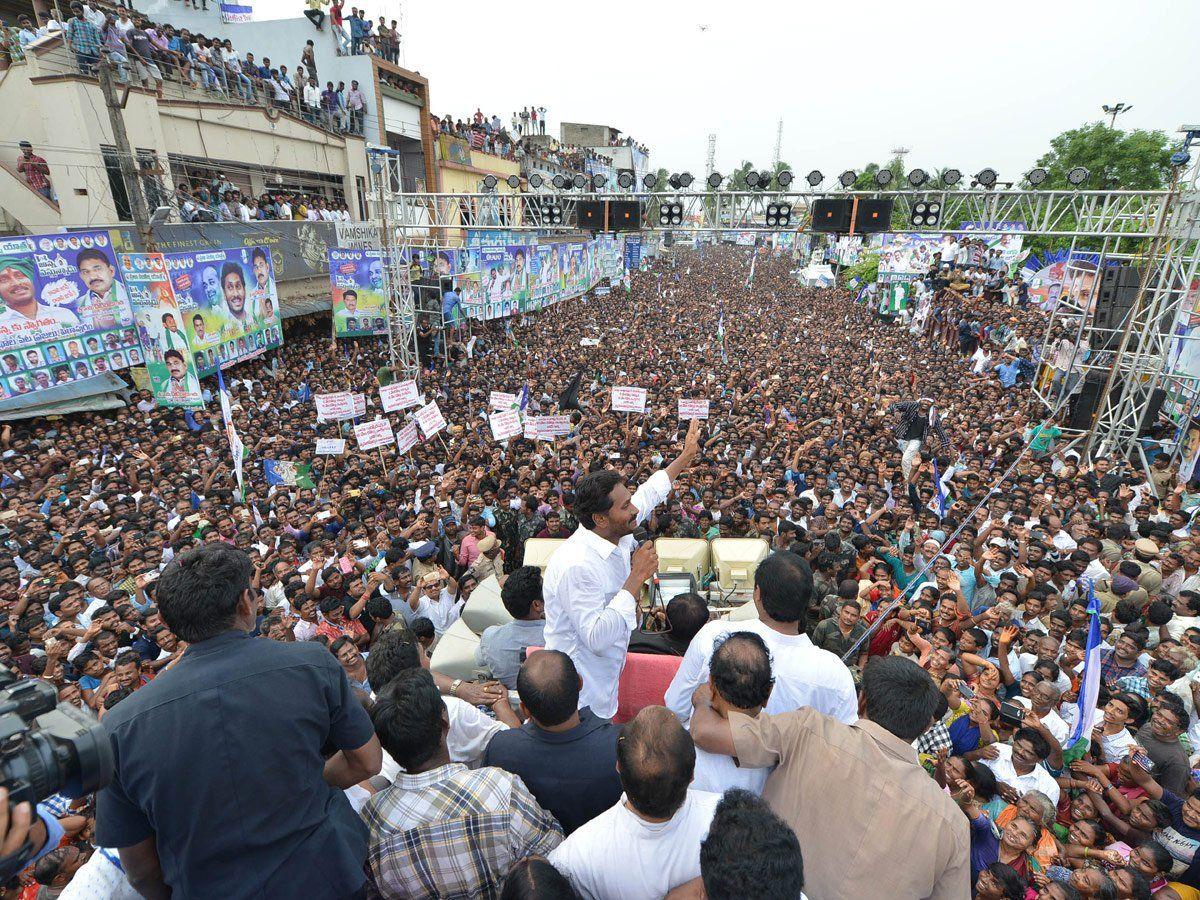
(619, 854)
(717, 773)
(805, 675)
(589, 616)
(1037, 780)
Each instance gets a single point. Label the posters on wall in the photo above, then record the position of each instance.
(229, 303)
(65, 313)
(356, 283)
(907, 255)
(1005, 235)
(164, 340)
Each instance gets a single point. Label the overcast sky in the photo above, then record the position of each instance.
(960, 84)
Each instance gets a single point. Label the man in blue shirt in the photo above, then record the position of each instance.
(566, 756)
(1009, 371)
(222, 787)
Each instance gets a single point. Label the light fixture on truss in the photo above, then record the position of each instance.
(926, 214)
(650, 181)
(1037, 176)
(489, 182)
(552, 213)
(1078, 175)
(579, 181)
(951, 177)
(598, 182)
(987, 177)
(815, 177)
(625, 180)
(884, 177)
(847, 178)
(535, 180)
(670, 213)
(714, 180)
(784, 178)
(513, 181)
(918, 177)
(779, 215)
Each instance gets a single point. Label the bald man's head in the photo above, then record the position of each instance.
(548, 685)
(656, 760)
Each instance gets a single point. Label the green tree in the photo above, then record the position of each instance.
(1126, 160)
(865, 270)
(737, 178)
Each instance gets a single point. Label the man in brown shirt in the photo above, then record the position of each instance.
(866, 813)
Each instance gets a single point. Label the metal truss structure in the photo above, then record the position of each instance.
(1157, 230)
(394, 217)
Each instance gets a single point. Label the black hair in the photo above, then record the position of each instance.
(394, 651)
(656, 760)
(784, 583)
(91, 253)
(521, 589)
(1163, 861)
(900, 696)
(741, 670)
(548, 685)
(1041, 747)
(687, 613)
(534, 878)
(199, 590)
(750, 852)
(379, 608)
(593, 495)
(408, 716)
(422, 628)
(1011, 884)
(259, 252)
(232, 268)
(982, 779)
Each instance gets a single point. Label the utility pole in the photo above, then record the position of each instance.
(129, 175)
(1115, 110)
(778, 146)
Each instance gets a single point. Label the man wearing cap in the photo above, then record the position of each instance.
(1145, 556)
(490, 561)
(22, 308)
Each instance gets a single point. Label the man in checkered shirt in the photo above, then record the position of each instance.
(441, 829)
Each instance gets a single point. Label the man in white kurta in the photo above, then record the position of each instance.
(592, 581)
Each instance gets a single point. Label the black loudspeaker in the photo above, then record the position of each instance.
(1150, 417)
(831, 216)
(1082, 407)
(589, 214)
(624, 215)
(1115, 297)
(873, 216)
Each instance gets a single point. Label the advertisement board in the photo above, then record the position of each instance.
(357, 296)
(165, 349)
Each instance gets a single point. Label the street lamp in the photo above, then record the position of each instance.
(1115, 110)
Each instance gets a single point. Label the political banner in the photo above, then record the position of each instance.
(357, 235)
(430, 419)
(169, 362)
(572, 263)
(399, 395)
(359, 402)
(633, 252)
(547, 277)
(286, 473)
(334, 407)
(908, 254)
(505, 424)
(407, 437)
(502, 400)
(359, 303)
(331, 446)
(1006, 236)
(373, 434)
(693, 409)
(628, 399)
(548, 427)
(229, 303)
(65, 314)
(894, 297)
(505, 274)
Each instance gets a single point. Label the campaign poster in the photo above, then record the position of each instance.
(168, 357)
(518, 261)
(633, 252)
(573, 262)
(1007, 236)
(65, 312)
(470, 295)
(547, 277)
(907, 254)
(229, 303)
(359, 302)
(497, 282)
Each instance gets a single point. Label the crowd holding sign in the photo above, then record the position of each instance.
(330, 446)
(693, 409)
(376, 433)
(430, 419)
(550, 427)
(407, 437)
(628, 399)
(65, 313)
(359, 304)
(399, 395)
(505, 424)
(164, 341)
(229, 303)
(334, 407)
(502, 400)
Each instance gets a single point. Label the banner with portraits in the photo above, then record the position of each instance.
(64, 311)
(168, 356)
(359, 302)
(229, 303)
(906, 255)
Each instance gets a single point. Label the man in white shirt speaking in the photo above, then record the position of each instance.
(593, 579)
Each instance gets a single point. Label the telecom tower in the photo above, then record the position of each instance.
(710, 160)
(778, 145)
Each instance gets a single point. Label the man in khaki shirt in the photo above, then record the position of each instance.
(869, 819)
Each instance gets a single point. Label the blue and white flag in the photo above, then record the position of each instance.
(236, 447)
(939, 491)
(1089, 685)
(232, 13)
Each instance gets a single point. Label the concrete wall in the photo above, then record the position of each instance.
(581, 134)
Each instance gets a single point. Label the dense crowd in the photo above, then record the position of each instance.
(217, 200)
(926, 525)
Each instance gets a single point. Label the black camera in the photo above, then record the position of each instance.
(48, 747)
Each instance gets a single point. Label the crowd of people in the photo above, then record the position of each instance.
(897, 716)
(216, 199)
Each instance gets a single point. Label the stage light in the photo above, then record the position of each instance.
(918, 177)
(625, 180)
(1036, 176)
(884, 177)
(926, 213)
(714, 180)
(848, 178)
(764, 180)
(673, 181)
(535, 180)
(513, 181)
(670, 213)
(686, 179)
(551, 212)
(489, 182)
(559, 182)
(1078, 175)
(751, 179)
(784, 178)
(951, 177)
(598, 182)
(815, 177)
(579, 181)
(779, 215)
(649, 181)
(987, 177)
